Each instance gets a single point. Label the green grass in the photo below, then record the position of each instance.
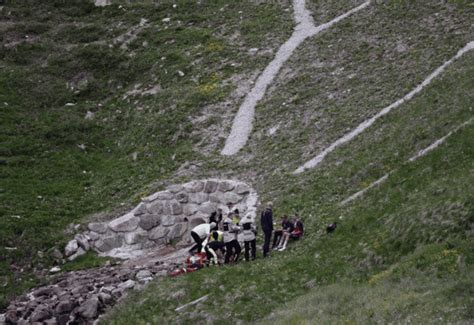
(381, 243)
(401, 253)
(411, 235)
(62, 53)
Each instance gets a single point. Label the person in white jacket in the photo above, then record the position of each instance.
(249, 231)
(201, 234)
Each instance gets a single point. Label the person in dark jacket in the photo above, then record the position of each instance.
(266, 222)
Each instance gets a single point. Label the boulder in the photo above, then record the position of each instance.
(176, 208)
(194, 186)
(175, 188)
(71, 247)
(11, 317)
(211, 186)
(208, 208)
(158, 233)
(107, 243)
(164, 195)
(177, 230)
(136, 237)
(197, 220)
(232, 197)
(40, 314)
(80, 252)
(129, 284)
(190, 209)
(51, 321)
(106, 298)
(83, 241)
(89, 308)
(140, 209)
(125, 223)
(242, 188)
(150, 198)
(98, 227)
(144, 276)
(226, 186)
(93, 235)
(155, 207)
(198, 197)
(149, 221)
(63, 319)
(182, 197)
(64, 307)
(168, 220)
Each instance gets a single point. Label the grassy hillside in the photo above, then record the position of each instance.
(101, 106)
(98, 105)
(401, 253)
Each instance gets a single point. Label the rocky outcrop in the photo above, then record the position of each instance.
(163, 217)
(80, 297)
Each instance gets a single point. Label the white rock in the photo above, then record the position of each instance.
(198, 197)
(98, 227)
(125, 223)
(164, 195)
(80, 252)
(226, 186)
(194, 186)
(89, 115)
(55, 269)
(242, 188)
(208, 207)
(71, 247)
(166, 20)
(232, 197)
(136, 237)
(158, 233)
(83, 241)
(129, 284)
(190, 209)
(168, 220)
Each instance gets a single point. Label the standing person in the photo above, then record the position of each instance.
(249, 230)
(200, 234)
(219, 219)
(213, 218)
(232, 246)
(266, 221)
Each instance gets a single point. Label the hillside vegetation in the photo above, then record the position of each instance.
(98, 106)
(155, 110)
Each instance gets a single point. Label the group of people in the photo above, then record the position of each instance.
(222, 238)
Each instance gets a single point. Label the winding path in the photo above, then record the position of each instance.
(242, 126)
(364, 125)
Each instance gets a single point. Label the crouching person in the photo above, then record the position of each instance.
(216, 243)
(201, 233)
(232, 246)
(249, 231)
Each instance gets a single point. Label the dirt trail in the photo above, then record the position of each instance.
(242, 126)
(364, 125)
(419, 154)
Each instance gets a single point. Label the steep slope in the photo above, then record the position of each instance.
(99, 104)
(397, 243)
(156, 108)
